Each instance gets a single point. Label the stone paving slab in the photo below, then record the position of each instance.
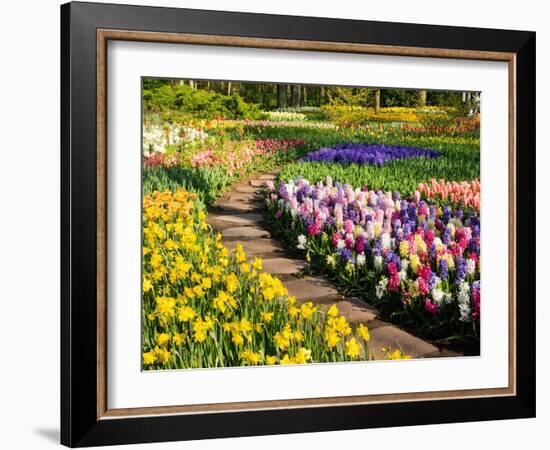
(283, 266)
(241, 219)
(245, 233)
(393, 338)
(257, 183)
(267, 177)
(243, 189)
(311, 288)
(257, 247)
(244, 197)
(237, 206)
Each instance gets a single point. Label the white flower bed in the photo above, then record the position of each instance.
(157, 138)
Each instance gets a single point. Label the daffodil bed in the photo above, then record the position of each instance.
(206, 306)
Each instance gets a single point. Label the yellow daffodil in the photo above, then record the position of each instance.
(149, 358)
(353, 348)
(163, 339)
(363, 332)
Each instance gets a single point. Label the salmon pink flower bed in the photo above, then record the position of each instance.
(464, 193)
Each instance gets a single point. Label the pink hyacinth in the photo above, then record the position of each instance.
(477, 304)
(348, 226)
(393, 284)
(313, 229)
(431, 307)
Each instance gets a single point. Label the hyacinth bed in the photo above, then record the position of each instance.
(366, 154)
(417, 258)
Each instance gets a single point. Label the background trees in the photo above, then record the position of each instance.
(232, 96)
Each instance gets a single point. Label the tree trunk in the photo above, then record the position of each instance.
(296, 88)
(377, 100)
(304, 96)
(191, 84)
(322, 96)
(229, 88)
(281, 96)
(421, 98)
(469, 108)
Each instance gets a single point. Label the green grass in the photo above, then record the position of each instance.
(459, 160)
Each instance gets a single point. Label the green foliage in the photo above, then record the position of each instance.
(398, 97)
(182, 102)
(351, 96)
(207, 183)
(459, 160)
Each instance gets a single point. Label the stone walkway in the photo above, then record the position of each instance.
(238, 215)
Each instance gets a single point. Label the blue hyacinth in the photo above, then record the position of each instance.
(367, 154)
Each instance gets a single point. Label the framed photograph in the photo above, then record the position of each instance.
(277, 224)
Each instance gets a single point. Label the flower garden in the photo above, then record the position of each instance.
(383, 203)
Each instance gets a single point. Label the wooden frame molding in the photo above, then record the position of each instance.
(103, 36)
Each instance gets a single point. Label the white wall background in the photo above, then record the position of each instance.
(29, 223)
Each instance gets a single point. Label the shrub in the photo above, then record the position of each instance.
(182, 102)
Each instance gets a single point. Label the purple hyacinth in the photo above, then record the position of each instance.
(473, 246)
(447, 236)
(446, 214)
(460, 269)
(433, 280)
(392, 257)
(367, 154)
(377, 250)
(443, 269)
(346, 254)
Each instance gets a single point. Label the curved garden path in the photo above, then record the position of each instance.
(238, 215)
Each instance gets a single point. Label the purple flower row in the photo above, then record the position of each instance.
(366, 154)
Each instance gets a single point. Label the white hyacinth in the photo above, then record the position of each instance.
(464, 301)
(386, 240)
(361, 259)
(156, 138)
(378, 262)
(290, 188)
(381, 287)
(465, 311)
(341, 244)
(301, 242)
(470, 266)
(438, 295)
